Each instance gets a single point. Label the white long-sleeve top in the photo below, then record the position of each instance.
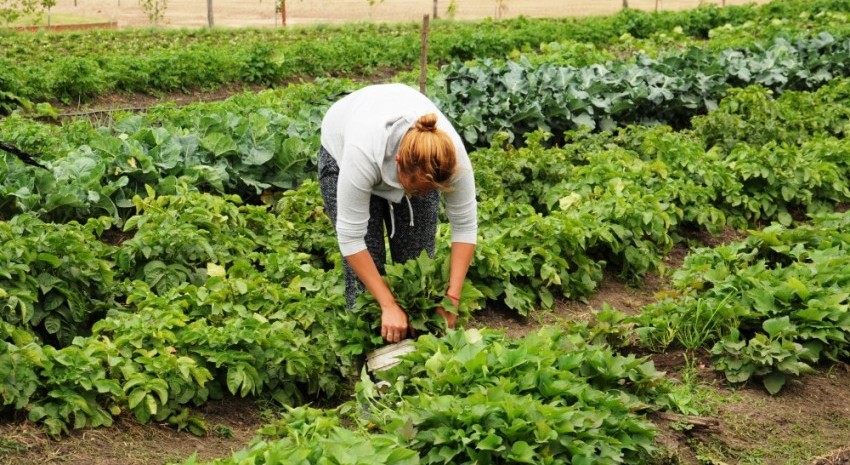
(363, 133)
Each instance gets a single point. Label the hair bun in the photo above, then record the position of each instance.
(427, 123)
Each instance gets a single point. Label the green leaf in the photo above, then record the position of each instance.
(219, 144)
(491, 442)
(774, 382)
(776, 327)
(521, 452)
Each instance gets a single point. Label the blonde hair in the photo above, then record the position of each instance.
(427, 158)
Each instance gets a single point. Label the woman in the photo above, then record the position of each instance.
(387, 153)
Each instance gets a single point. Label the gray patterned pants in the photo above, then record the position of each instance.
(406, 243)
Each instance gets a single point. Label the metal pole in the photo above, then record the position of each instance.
(423, 63)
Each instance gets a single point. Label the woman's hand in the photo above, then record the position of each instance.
(393, 323)
(451, 318)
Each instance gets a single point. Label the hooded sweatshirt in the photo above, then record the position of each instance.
(363, 133)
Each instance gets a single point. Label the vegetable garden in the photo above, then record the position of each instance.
(158, 261)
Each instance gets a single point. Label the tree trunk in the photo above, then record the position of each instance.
(423, 62)
(210, 13)
(283, 12)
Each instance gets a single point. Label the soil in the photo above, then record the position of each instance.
(232, 423)
(809, 419)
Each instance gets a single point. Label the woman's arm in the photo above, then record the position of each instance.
(393, 318)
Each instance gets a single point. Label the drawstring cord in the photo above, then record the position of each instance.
(392, 219)
(392, 215)
(410, 209)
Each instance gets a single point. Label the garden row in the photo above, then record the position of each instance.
(769, 308)
(517, 97)
(774, 305)
(479, 397)
(49, 67)
(192, 301)
(254, 143)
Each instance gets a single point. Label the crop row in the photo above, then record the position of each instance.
(479, 397)
(517, 97)
(769, 308)
(252, 144)
(49, 67)
(192, 297)
(773, 305)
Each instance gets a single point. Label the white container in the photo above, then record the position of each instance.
(387, 357)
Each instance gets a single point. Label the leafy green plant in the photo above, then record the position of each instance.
(488, 98)
(419, 287)
(772, 306)
(56, 279)
(76, 79)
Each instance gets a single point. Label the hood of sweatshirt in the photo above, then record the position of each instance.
(394, 130)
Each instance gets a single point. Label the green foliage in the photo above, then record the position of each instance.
(76, 79)
(419, 287)
(307, 435)
(246, 146)
(518, 97)
(549, 397)
(772, 306)
(175, 237)
(479, 397)
(154, 60)
(56, 280)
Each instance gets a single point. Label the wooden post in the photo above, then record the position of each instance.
(656, 6)
(283, 12)
(625, 4)
(210, 19)
(435, 9)
(423, 63)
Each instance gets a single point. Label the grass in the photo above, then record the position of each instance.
(55, 20)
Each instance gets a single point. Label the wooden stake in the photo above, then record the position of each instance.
(423, 63)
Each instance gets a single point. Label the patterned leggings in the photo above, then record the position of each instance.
(406, 243)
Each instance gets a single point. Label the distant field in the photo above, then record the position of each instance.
(192, 13)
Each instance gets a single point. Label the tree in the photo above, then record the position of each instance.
(10, 10)
(154, 9)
